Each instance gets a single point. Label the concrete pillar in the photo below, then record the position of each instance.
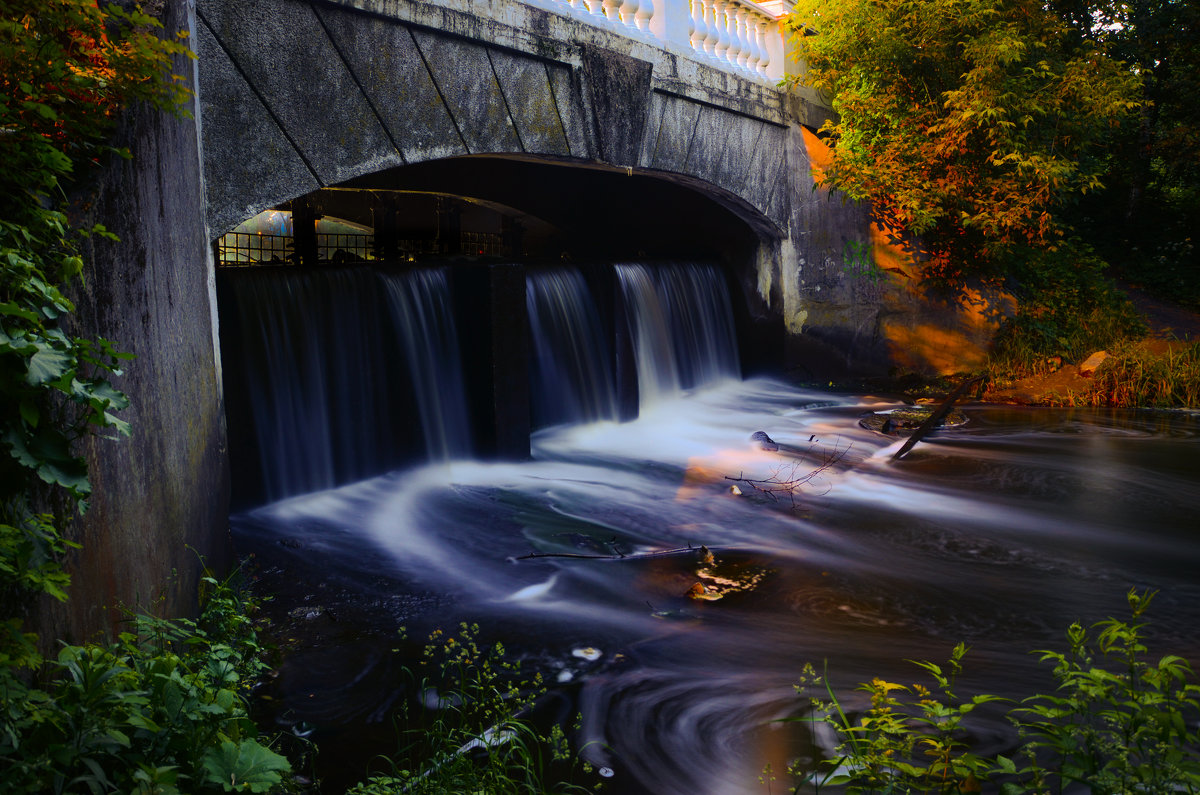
(494, 335)
(304, 231)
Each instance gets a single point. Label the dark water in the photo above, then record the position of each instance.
(999, 534)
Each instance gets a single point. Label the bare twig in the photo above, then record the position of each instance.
(786, 479)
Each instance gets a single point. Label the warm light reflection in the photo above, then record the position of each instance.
(704, 471)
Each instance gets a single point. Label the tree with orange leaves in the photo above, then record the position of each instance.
(971, 123)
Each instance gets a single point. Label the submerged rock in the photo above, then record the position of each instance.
(764, 441)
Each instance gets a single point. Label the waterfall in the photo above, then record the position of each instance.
(310, 347)
(571, 362)
(332, 366)
(681, 323)
(346, 373)
(420, 307)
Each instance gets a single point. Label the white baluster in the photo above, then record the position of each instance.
(756, 50)
(743, 54)
(731, 54)
(711, 34)
(596, 14)
(697, 27)
(764, 31)
(721, 48)
(612, 12)
(626, 13)
(645, 17)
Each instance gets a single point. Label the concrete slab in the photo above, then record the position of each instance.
(526, 86)
(249, 162)
(385, 60)
(463, 74)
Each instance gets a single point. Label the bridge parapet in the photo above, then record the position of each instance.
(735, 35)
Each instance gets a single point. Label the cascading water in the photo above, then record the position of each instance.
(318, 352)
(571, 362)
(681, 324)
(310, 346)
(420, 307)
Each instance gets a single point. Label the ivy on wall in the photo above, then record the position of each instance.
(67, 69)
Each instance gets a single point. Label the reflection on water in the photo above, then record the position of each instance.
(998, 534)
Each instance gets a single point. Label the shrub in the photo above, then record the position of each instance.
(160, 710)
(468, 727)
(1117, 723)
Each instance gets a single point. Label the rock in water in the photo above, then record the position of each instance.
(764, 441)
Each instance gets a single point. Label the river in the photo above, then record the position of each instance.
(998, 534)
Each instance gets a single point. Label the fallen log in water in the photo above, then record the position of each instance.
(936, 417)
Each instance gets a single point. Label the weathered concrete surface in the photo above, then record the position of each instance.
(853, 299)
(160, 497)
(619, 90)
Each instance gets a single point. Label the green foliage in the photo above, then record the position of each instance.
(67, 69)
(1146, 216)
(968, 123)
(162, 710)
(1117, 723)
(1066, 308)
(469, 733)
(909, 745)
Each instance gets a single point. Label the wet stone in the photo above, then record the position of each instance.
(901, 422)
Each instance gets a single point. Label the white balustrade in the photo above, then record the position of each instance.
(736, 35)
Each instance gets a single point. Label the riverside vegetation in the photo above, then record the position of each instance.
(1002, 133)
(1117, 723)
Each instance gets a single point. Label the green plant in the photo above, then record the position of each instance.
(859, 262)
(1117, 723)
(162, 709)
(468, 728)
(971, 124)
(909, 740)
(1066, 309)
(1135, 376)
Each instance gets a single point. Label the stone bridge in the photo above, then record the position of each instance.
(298, 95)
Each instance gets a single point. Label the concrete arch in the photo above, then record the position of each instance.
(298, 94)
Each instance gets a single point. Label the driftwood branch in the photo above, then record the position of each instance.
(936, 417)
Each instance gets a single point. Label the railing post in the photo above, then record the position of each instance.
(670, 22)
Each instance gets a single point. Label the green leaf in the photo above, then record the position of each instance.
(47, 365)
(244, 766)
